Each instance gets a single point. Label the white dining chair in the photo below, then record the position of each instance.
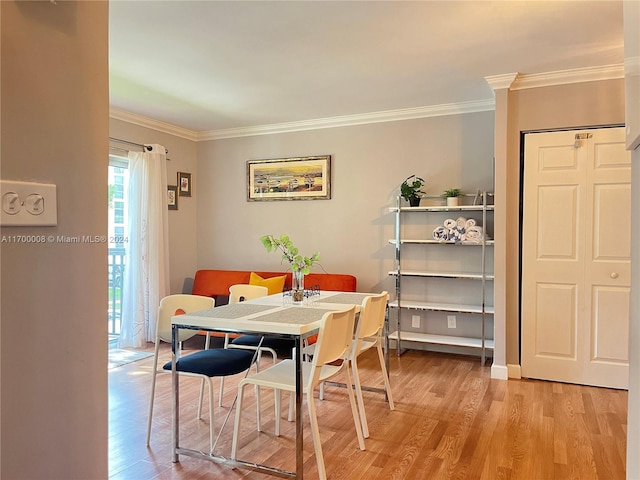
(240, 293)
(368, 334)
(369, 330)
(268, 343)
(335, 340)
(204, 364)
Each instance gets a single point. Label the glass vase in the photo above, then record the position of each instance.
(297, 287)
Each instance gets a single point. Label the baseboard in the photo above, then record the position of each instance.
(515, 371)
(499, 372)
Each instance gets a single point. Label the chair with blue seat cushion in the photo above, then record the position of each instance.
(239, 293)
(215, 362)
(259, 343)
(268, 343)
(271, 344)
(203, 364)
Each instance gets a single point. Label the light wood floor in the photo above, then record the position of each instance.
(452, 421)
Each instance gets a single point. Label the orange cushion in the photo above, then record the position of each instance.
(273, 284)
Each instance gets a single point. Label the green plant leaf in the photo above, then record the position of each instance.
(411, 188)
(290, 252)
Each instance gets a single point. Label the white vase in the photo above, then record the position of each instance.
(453, 201)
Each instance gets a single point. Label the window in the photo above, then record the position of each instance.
(117, 237)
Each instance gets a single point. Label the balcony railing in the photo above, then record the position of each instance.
(116, 273)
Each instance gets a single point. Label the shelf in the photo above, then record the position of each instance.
(460, 275)
(478, 264)
(444, 208)
(441, 307)
(405, 241)
(442, 340)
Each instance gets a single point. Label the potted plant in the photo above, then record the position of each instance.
(452, 196)
(300, 265)
(410, 190)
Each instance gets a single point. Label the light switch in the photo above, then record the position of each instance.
(11, 203)
(34, 204)
(28, 204)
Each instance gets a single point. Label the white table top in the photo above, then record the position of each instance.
(271, 314)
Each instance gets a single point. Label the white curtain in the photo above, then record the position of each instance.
(146, 273)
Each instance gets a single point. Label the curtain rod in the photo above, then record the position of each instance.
(144, 147)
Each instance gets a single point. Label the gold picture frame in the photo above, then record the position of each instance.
(296, 178)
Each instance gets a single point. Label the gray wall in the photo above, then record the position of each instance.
(351, 231)
(55, 108)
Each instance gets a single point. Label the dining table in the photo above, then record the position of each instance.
(273, 315)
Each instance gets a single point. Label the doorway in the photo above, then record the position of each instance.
(118, 239)
(576, 246)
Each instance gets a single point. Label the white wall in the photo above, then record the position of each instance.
(351, 231)
(55, 106)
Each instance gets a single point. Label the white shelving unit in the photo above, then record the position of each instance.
(476, 303)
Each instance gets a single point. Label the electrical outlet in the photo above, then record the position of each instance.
(451, 321)
(415, 321)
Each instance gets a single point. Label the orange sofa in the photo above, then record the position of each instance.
(216, 283)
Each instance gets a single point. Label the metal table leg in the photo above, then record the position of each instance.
(176, 394)
(299, 390)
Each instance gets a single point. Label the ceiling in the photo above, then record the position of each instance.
(209, 66)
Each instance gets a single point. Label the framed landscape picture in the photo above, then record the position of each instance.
(299, 178)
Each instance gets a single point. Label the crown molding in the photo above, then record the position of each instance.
(564, 77)
(632, 66)
(499, 82)
(153, 124)
(350, 120)
(513, 81)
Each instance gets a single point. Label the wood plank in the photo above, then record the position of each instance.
(451, 421)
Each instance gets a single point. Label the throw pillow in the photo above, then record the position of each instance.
(273, 284)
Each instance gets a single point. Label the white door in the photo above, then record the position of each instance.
(576, 247)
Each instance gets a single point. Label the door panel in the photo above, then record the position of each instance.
(610, 320)
(557, 205)
(556, 312)
(612, 226)
(575, 257)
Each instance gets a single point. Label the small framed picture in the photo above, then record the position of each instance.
(172, 197)
(184, 184)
